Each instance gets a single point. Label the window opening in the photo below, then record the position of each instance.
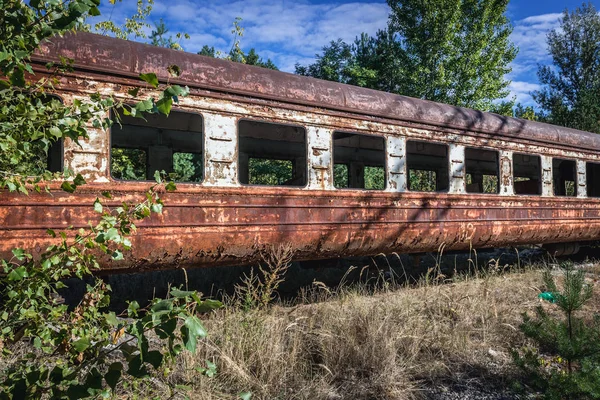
(272, 154)
(41, 154)
(359, 161)
(173, 144)
(564, 176)
(129, 164)
(527, 174)
(269, 172)
(592, 174)
(482, 171)
(340, 175)
(188, 167)
(427, 165)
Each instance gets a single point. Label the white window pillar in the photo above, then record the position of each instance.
(581, 181)
(320, 158)
(506, 174)
(396, 164)
(220, 150)
(457, 169)
(547, 184)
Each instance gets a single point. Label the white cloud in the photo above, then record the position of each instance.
(291, 30)
(521, 91)
(529, 35)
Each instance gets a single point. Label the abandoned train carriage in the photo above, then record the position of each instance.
(365, 172)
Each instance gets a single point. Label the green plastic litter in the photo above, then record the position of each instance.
(549, 297)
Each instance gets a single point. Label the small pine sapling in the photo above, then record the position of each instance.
(565, 360)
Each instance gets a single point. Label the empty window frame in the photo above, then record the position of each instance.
(271, 154)
(358, 161)
(564, 177)
(527, 174)
(427, 165)
(173, 144)
(482, 171)
(592, 173)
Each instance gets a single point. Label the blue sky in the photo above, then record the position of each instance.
(293, 31)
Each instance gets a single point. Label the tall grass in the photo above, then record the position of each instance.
(343, 344)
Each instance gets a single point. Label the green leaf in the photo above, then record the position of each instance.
(150, 78)
(136, 367)
(164, 105)
(154, 358)
(17, 274)
(144, 105)
(170, 187)
(175, 90)
(82, 344)
(245, 395)
(113, 375)
(112, 319)
(162, 305)
(133, 92)
(191, 330)
(111, 234)
(78, 181)
(98, 206)
(182, 294)
(157, 208)
(17, 78)
(157, 177)
(117, 255)
(67, 187)
(19, 254)
(208, 305)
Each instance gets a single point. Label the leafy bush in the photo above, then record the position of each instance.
(48, 349)
(566, 361)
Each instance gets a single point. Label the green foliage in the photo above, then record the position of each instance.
(187, 167)
(75, 352)
(263, 171)
(451, 51)
(159, 38)
(208, 51)
(566, 362)
(527, 113)
(571, 93)
(374, 178)
(236, 53)
(128, 164)
(421, 180)
(340, 176)
(86, 351)
(258, 289)
(132, 27)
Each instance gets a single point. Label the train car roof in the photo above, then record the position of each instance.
(116, 57)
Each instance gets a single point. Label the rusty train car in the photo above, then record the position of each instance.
(448, 176)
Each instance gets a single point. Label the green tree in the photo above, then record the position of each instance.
(208, 51)
(132, 26)
(571, 93)
(525, 112)
(236, 53)
(158, 37)
(451, 51)
(566, 362)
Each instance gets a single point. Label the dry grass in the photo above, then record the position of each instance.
(349, 345)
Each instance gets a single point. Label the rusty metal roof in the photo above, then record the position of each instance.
(117, 57)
